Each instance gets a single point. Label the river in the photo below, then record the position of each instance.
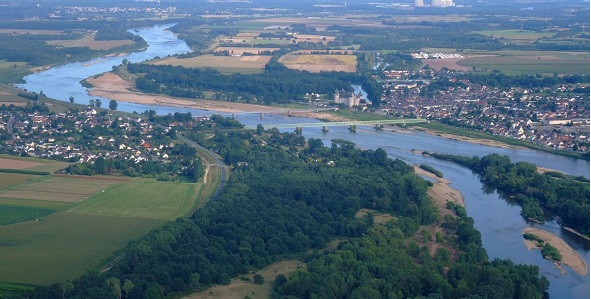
(498, 220)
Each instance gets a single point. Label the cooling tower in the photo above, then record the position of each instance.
(419, 3)
(437, 3)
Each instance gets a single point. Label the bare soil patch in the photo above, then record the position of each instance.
(239, 288)
(569, 257)
(441, 192)
(17, 164)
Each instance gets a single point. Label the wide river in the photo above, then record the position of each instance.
(498, 220)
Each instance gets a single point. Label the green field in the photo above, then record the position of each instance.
(530, 62)
(16, 214)
(63, 246)
(516, 35)
(11, 179)
(146, 199)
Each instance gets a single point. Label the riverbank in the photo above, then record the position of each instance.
(479, 141)
(569, 256)
(441, 192)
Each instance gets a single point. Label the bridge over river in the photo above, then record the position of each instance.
(325, 125)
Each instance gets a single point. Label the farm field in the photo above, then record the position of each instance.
(11, 179)
(224, 64)
(242, 50)
(140, 198)
(516, 36)
(531, 62)
(64, 245)
(51, 188)
(89, 41)
(318, 63)
(31, 163)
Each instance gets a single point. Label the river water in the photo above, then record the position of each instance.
(498, 220)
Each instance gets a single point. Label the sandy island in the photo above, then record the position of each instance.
(441, 192)
(569, 257)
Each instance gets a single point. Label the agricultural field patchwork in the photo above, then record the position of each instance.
(64, 245)
(319, 63)
(146, 199)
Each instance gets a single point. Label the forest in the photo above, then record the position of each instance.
(564, 195)
(276, 85)
(284, 203)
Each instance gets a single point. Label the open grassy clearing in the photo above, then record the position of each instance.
(64, 245)
(64, 189)
(318, 63)
(224, 64)
(244, 286)
(31, 163)
(140, 198)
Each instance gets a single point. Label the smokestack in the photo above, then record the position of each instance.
(419, 3)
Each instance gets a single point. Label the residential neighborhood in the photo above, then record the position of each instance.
(556, 117)
(137, 144)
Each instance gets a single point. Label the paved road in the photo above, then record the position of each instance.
(218, 162)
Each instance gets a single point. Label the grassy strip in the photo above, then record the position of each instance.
(24, 171)
(441, 128)
(7, 289)
(361, 116)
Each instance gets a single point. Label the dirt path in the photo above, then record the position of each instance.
(569, 256)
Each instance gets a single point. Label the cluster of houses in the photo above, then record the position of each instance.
(554, 117)
(425, 55)
(84, 136)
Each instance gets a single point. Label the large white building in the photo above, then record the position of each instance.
(442, 3)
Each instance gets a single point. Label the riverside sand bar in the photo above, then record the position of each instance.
(569, 257)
